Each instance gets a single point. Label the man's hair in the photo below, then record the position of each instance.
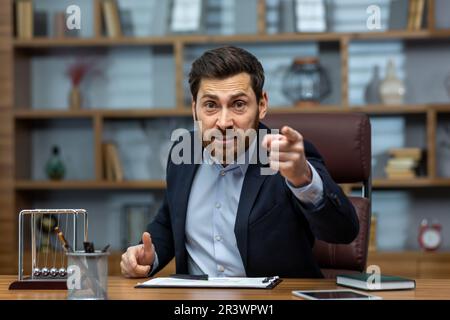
(224, 62)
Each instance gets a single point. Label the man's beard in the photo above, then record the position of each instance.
(232, 150)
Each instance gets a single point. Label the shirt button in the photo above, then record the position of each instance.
(218, 238)
(222, 173)
(217, 205)
(220, 268)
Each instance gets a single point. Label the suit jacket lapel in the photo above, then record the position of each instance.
(180, 198)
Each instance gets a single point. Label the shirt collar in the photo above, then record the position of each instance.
(243, 160)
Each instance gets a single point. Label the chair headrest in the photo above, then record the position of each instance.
(343, 140)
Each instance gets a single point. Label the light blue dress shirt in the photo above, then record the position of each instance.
(211, 215)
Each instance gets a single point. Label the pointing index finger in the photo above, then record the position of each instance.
(291, 134)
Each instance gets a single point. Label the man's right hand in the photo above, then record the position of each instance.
(137, 260)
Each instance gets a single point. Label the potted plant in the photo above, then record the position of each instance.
(77, 72)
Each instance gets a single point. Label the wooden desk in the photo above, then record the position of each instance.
(123, 289)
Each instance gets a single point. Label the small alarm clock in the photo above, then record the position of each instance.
(430, 235)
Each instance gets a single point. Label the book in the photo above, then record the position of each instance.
(24, 19)
(364, 281)
(401, 163)
(40, 24)
(414, 153)
(107, 165)
(412, 14)
(401, 175)
(19, 19)
(220, 282)
(394, 170)
(398, 14)
(419, 14)
(113, 165)
(112, 18)
(28, 17)
(59, 24)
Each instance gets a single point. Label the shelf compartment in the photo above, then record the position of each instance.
(34, 141)
(137, 77)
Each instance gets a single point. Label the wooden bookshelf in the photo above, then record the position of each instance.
(413, 264)
(171, 40)
(17, 116)
(8, 247)
(22, 185)
(185, 111)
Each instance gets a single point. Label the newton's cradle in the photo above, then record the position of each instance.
(40, 251)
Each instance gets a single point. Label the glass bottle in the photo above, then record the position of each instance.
(55, 168)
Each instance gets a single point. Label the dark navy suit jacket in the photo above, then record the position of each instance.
(274, 232)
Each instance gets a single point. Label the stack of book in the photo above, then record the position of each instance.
(111, 162)
(403, 163)
(416, 14)
(111, 18)
(24, 19)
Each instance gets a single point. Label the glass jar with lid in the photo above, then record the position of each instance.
(306, 82)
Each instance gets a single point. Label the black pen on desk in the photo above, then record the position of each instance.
(189, 276)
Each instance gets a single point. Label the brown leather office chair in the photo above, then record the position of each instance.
(344, 141)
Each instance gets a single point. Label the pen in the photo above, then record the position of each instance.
(189, 276)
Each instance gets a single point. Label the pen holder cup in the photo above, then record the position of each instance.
(87, 275)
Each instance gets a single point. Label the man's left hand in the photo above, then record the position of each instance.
(287, 154)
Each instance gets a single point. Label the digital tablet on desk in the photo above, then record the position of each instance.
(339, 294)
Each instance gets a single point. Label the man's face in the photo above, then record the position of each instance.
(228, 107)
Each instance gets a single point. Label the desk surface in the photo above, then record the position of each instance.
(123, 289)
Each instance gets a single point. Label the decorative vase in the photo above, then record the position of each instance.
(306, 82)
(55, 168)
(372, 92)
(392, 89)
(75, 98)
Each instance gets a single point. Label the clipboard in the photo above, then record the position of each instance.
(219, 282)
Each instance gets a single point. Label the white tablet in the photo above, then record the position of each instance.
(338, 294)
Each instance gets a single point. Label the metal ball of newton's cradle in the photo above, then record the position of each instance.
(45, 272)
(54, 272)
(62, 272)
(37, 272)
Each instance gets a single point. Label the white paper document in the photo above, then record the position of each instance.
(222, 282)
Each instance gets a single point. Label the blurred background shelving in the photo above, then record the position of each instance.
(141, 94)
